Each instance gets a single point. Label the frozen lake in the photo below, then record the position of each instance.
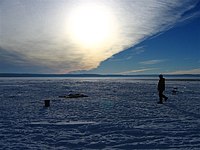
(118, 114)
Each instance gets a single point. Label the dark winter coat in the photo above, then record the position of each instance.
(161, 84)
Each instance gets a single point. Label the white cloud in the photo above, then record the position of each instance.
(152, 62)
(193, 71)
(139, 50)
(137, 71)
(38, 29)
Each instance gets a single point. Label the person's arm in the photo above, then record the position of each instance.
(158, 86)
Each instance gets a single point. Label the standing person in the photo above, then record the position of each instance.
(161, 89)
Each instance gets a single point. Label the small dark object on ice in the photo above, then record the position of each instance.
(73, 96)
(174, 91)
(46, 103)
(76, 95)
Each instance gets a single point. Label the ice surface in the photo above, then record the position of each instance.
(118, 114)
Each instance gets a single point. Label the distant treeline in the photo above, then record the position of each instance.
(94, 75)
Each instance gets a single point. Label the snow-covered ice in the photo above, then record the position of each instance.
(118, 114)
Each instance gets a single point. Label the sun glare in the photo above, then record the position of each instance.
(90, 25)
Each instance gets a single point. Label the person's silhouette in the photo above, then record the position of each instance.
(161, 89)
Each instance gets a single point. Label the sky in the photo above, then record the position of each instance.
(100, 36)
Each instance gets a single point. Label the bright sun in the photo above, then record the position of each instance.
(90, 25)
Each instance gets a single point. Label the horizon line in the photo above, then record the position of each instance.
(83, 74)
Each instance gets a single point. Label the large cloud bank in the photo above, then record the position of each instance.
(35, 31)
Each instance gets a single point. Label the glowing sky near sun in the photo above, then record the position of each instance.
(65, 35)
(91, 25)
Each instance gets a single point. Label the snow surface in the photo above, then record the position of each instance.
(118, 114)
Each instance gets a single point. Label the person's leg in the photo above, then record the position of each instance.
(165, 97)
(160, 96)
